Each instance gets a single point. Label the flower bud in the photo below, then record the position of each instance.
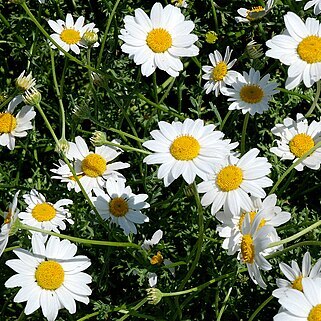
(32, 96)
(24, 83)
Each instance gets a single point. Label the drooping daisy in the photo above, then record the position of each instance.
(231, 225)
(92, 169)
(12, 126)
(69, 34)
(45, 215)
(295, 276)
(299, 47)
(298, 137)
(160, 40)
(121, 206)
(219, 74)
(50, 277)
(250, 93)
(188, 149)
(315, 3)
(24, 83)
(248, 15)
(301, 306)
(9, 220)
(233, 180)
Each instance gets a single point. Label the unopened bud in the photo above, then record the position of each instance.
(254, 50)
(154, 296)
(211, 37)
(98, 138)
(82, 111)
(32, 97)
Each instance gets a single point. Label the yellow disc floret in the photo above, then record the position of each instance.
(247, 249)
(309, 49)
(315, 313)
(229, 178)
(297, 283)
(185, 148)
(300, 144)
(93, 165)
(118, 207)
(50, 275)
(157, 259)
(70, 36)
(242, 217)
(159, 40)
(251, 94)
(7, 123)
(219, 71)
(8, 217)
(43, 212)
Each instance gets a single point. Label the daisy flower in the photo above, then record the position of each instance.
(250, 93)
(295, 276)
(50, 277)
(248, 15)
(69, 34)
(120, 205)
(180, 3)
(298, 137)
(219, 74)
(315, 3)
(159, 40)
(93, 169)
(24, 83)
(188, 149)
(232, 181)
(299, 48)
(9, 220)
(301, 306)
(12, 126)
(45, 215)
(231, 225)
(157, 236)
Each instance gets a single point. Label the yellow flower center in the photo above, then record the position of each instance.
(251, 94)
(242, 217)
(43, 212)
(93, 165)
(255, 13)
(219, 71)
(300, 144)
(315, 313)
(247, 249)
(49, 275)
(185, 148)
(297, 283)
(211, 37)
(70, 36)
(7, 123)
(309, 49)
(229, 178)
(118, 207)
(7, 219)
(159, 40)
(157, 259)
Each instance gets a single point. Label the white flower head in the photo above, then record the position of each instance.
(121, 206)
(157, 236)
(315, 3)
(232, 182)
(297, 138)
(50, 277)
(295, 276)
(180, 3)
(248, 15)
(188, 149)
(250, 93)
(9, 220)
(219, 74)
(25, 82)
(299, 48)
(45, 215)
(160, 40)
(12, 126)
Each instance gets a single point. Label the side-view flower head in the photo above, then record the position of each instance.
(249, 15)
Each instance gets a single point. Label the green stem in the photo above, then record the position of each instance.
(214, 17)
(88, 316)
(224, 304)
(8, 249)
(7, 101)
(261, 307)
(155, 87)
(225, 119)
(290, 92)
(315, 100)
(128, 148)
(246, 121)
(136, 307)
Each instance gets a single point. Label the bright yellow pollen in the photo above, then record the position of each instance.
(300, 144)
(7, 123)
(118, 207)
(309, 49)
(185, 148)
(7, 219)
(157, 259)
(255, 13)
(93, 165)
(43, 212)
(251, 94)
(229, 178)
(219, 71)
(315, 313)
(70, 36)
(242, 217)
(297, 283)
(247, 249)
(49, 275)
(159, 40)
